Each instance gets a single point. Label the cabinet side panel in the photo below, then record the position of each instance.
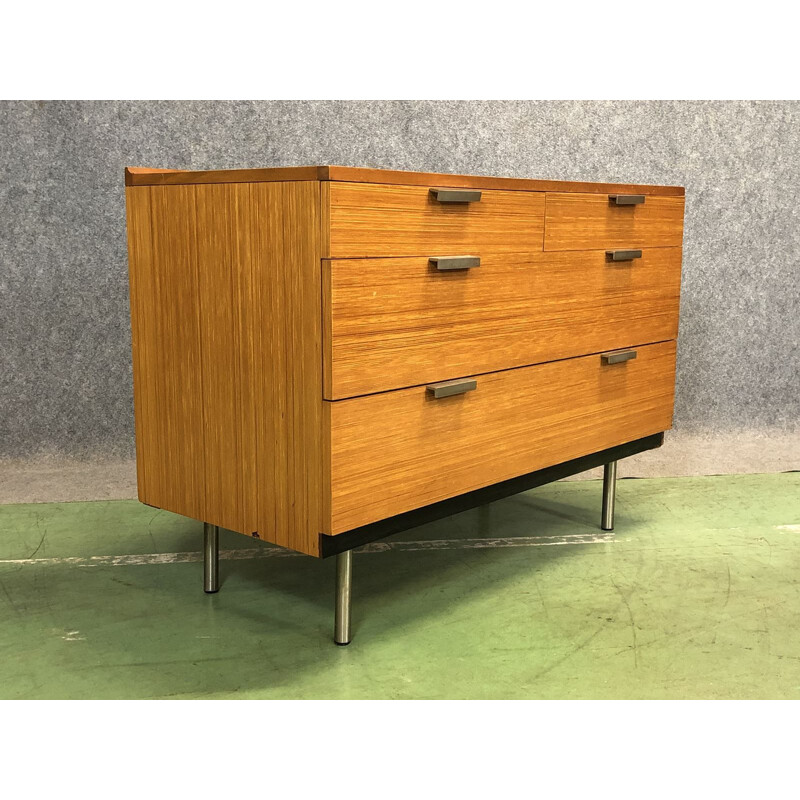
(140, 273)
(225, 278)
(225, 300)
(287, 330)
(166, 348)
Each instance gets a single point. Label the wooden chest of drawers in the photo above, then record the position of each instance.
(325, 355)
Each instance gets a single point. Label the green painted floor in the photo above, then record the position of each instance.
(695, 595)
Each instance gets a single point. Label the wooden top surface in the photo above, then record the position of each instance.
(145, 176)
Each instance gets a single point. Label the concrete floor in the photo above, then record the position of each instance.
(695, 595)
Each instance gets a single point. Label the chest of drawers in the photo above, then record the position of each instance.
(323, 356)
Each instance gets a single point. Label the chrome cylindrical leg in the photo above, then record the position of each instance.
(210, 558)
(609, 495)
(344, 580)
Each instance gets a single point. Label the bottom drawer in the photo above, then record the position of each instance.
(400, 450)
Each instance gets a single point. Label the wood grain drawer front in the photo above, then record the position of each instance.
(402, 322)
(369, 220)
(401, 450)
(586, 221)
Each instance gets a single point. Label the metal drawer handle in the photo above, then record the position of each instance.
(626, 199)
(623, 255)
(455, 262)
(456, 195)
(619, 357)
(448, 388)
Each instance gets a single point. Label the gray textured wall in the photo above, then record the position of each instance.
(65, 372)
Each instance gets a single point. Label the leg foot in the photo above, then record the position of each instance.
(609, 495)
(210, 558)
(344, 580)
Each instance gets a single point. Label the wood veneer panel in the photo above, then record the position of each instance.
(364, 175)
(166, 349)
(226, 313)
(146, 176)
(325, 219)
(369, 220)
(227, 355)
(587, 221)
(294, 323)
(146, 383)
(400, 322)
(401, 450)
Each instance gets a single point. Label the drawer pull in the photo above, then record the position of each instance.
(455, 262)
(626, 199)
(456, 195)
(623, 255)
(448, 388)
(618, 358)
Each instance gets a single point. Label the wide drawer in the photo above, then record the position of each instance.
(367, 220)
(401, 450)
(392, 323)
(587, 221)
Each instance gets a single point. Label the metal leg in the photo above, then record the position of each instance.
(344, 580)
(609, 495)
(210, 558)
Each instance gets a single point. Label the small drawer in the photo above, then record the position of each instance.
(391, 323)
(368, 220)
(401, 450)
(610, 221)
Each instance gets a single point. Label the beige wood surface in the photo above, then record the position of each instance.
(398, 322)
(589, 221)
(396, 451)
(368, 220)
(148, 176)
(225, 305)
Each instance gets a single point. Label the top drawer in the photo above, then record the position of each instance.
(595, 221)
(368, 220)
